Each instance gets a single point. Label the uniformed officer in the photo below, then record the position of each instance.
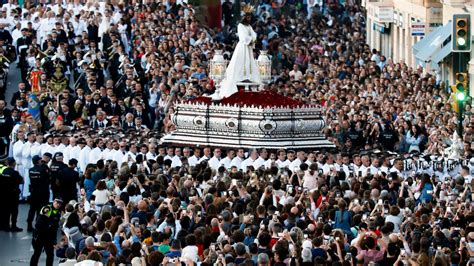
(45, 234)
(4, 223)
(57, 165)
(68, 179)
(39, 188)
(10, 192)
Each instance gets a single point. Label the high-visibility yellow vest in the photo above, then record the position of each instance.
(2, 168)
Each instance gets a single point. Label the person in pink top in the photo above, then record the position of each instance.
(366, 245)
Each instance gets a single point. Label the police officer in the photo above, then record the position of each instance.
(68, 179)
(57, 166)
(39, 189)
(10, 192)
(45, 234)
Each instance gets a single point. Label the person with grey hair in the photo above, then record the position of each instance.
(263, 259)
(250, 160)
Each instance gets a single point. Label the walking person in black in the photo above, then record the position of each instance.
(57, 166)
(10, 191)
(67, 182)
(45, 234)
(39, 189)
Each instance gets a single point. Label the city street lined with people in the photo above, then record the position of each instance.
(99, 83)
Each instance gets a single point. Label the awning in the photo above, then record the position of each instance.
(428, 46)
(440, 55)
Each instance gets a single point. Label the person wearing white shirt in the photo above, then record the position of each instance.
(310, 178)
(120, 154)
(261, 160)
(290, 157)
(465, 173)
(340, 164)
(67, 150)
(75, 150)
(16, 34)
(9, 7)
(206, 155)
(107, 152)
(17, 151)
(132, 154)
(96, 153)
(27, 163)
(385, 165)
(101, 193)
(249, 161)
(310, 158)
(194, 160)
(394, 218)
(397, 167)
(237, 161)
(364, 168)
(169, 154)
(84, 155)
(281, 162)
(36, 149)
(300, 158)
(228, 159)
(58, 145)
(176, 160)
(214, 162)
(151, 154)
(374, 166)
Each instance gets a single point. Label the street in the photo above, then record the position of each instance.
(16, 247)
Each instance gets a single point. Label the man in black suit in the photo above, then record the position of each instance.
(17, 94)
(5, 35)
(22, 45)
(128, 122)
(61, 34)
(100, 122)
(67, 114)
(112, 108)
(140, 112)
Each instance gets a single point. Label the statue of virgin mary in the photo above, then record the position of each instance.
(242, 66)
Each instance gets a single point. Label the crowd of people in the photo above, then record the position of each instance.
(107, 77)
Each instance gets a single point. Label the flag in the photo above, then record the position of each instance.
(34, 107)
(35, 77)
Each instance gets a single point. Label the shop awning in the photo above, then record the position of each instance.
(441, 54)
(432, 43)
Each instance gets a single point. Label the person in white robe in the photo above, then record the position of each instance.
(84, 155)
(27, 163)
(242, 65)
(74, 151)
(18, 151)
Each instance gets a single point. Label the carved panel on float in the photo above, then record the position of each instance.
(234, 125)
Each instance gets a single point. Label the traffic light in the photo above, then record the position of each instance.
(461, 33)
(461, 86)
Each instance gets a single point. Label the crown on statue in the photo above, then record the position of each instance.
(248, 9)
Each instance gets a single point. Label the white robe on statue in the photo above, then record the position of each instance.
(243, 65)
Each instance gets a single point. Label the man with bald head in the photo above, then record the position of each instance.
(141, 212)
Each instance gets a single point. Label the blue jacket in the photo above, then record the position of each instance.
(343, 221)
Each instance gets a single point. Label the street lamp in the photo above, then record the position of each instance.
(217, 69)
(264, 67)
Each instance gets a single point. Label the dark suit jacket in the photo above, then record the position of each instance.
(116, 111)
